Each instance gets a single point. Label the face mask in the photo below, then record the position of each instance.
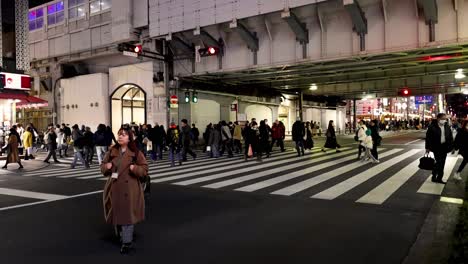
(442, 122)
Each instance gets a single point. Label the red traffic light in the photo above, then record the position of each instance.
(134, 48)
(210, 51)
(137, 49)
(404, 92)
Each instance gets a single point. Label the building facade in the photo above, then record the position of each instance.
(75, 57)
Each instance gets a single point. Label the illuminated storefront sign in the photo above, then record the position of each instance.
(16, 81)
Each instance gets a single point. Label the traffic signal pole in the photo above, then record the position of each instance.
(166, 81)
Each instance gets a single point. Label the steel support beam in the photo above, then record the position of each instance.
(299, 28)
(430, 10)
(180, 44)
(249, 38)
(207, 38)
(430, 15)
(359, 20)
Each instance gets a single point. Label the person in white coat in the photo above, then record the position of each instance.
(365, 138)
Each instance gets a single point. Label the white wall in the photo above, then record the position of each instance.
(139, 74)
(259, 112)
(205, 112)
(82, 91)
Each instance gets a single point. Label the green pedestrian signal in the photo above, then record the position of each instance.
(195, 97)
(187, 97)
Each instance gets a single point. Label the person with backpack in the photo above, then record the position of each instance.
(51, 141)
(123, 196)
(173, 142)
(226, 138)
(78, 145)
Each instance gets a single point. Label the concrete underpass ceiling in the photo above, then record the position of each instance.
(424, 71)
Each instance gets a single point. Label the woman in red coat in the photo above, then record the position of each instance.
(124, 204)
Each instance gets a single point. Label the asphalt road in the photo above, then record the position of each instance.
(321, 208)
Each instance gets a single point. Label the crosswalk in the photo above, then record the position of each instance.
(316, 175)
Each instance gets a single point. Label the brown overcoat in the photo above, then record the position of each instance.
(12, 149)
(124, 202)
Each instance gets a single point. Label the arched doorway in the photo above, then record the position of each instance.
(259, 112)
(128, 105)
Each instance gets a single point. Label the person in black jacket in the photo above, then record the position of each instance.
(331, 138)
(101, 139)
(298, 132)
(195, 135)
(88, 145)
(376, 138)
(51, 140)
(439, 140)
(185, 141)
(461, 144)
(206, 136)
(264, 142)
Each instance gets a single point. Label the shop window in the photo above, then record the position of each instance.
(36, 19)
(55, 13)
(97, 6)
(76, 8)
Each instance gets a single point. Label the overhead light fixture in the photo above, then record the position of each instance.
(459, 74)
(313, 87)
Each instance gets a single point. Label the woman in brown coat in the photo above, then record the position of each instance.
(12, 149)
(124, 204)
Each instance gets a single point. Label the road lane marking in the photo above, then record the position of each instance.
(282, 169)
(430, 187)
(219, 166)
(301, 186)
(28, 194)
(451, 200)
(411, 142)
(210, 164)
(382, 192)
(234, 167)
(349, 184)
(48, 201)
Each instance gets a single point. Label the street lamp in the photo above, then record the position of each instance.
(313, 87)
(459, 74)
